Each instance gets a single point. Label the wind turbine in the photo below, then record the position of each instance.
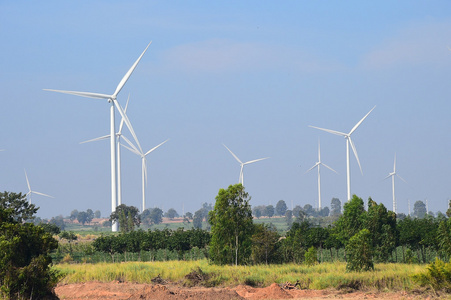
(318, 164)
(114, 103)
(392, 175)
(118, 154)
(143, 155)
(241, 179)
(28, 195)
(347, 136)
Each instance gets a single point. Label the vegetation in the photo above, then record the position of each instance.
(25, 271)
(127, 217)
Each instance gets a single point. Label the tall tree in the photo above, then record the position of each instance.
(352, 220)
(21, 209)
(335, 207)
(152, 216)
(419, 209)
(127, 216)
(231, 226)
(281, 208)
(269, 211)
(171, 213)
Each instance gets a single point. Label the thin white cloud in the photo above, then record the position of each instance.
(420, 44)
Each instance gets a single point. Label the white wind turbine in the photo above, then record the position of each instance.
(143, 155)
(347, 136)
(30, 191)
(392, 175)
(318, 164)
(118, 154)
(114, 103)
(241, 179)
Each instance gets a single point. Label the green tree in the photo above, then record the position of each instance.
(73, 215)
(171, 213)
(281, 208)
(359, 252)
(21, 209)
(269, 211)
(69, 236)
(127, 216)
(351, 221)
(198, 218)
(82, 217)
(289, 217)
(231, 226)
(58, 221)
(335, 207)
(419, 209)
(25, 271)
(152, 216)
(311, 256)
(264, 244)
(97, 214)
(90, 215)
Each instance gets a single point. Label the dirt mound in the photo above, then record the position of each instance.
(163, 292)
(274, 291)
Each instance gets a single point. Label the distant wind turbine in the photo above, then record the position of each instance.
(143, 155)
(114, 103)
(241, 179)
(392, 175)
(318, 164)
(347, 136)
(30, 191)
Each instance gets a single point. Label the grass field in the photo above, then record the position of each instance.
(386, 277)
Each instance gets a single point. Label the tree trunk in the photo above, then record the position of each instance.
(236, 250)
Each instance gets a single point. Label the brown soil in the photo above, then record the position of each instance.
(134, 291)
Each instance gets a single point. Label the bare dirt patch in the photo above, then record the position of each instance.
(135, 291)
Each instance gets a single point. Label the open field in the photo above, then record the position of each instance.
(393, 277)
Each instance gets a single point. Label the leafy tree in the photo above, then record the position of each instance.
(73, 215)
(419, 209)
(50, 228)
(269, 211)
(289, 217)
(171, 213)
(297, 211)
(400, 216)
(21, 209)
(90, 215)
(335, 207)
(359, 252)
(97, 214)
(25, 271)
(281, 208)
(58, 221)
(197, 220)
(311, 256)
(324, 212)
(189, 215)
(152, 216)
(231, 226)
(257, 212)
(352, 220)
(264, 244)
(448, 211)
(82, 217)
(308, 209)
(127, 216)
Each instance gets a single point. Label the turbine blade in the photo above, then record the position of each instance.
(28, 183)
(255, 160)
(131, 145)
(42, 194)
(122, 119)
(314, 166)
(355, 153)
(388, 176)
(132, 150)
(144, 168)
(82, 94)
(97, 139)
(394, 165)
(401, 178)
(236, 157)
(360, 122)
(329, 168)
(127, 122)
(329, 130)
(155, 147)
(129, 73)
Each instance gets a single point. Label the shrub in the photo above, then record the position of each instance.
(438, 276)
(311, 256)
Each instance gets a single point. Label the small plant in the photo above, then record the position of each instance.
(311, 257)
(438, 276)
(67, 259)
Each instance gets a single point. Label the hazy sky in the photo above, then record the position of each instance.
(250, 74)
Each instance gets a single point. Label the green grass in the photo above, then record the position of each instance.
(386, 277)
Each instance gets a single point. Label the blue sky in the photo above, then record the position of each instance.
(250, 74)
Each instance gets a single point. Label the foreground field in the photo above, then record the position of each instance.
(319, 280)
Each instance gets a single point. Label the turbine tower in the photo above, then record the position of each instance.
(318, 164)
(112, 99)
(241, 179)
(118, 154)
(392, 175)
(30, 191)
(143, 155)
(347, 136)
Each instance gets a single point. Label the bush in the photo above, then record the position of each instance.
(359, 252)
(438, 276)
(311, 256)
